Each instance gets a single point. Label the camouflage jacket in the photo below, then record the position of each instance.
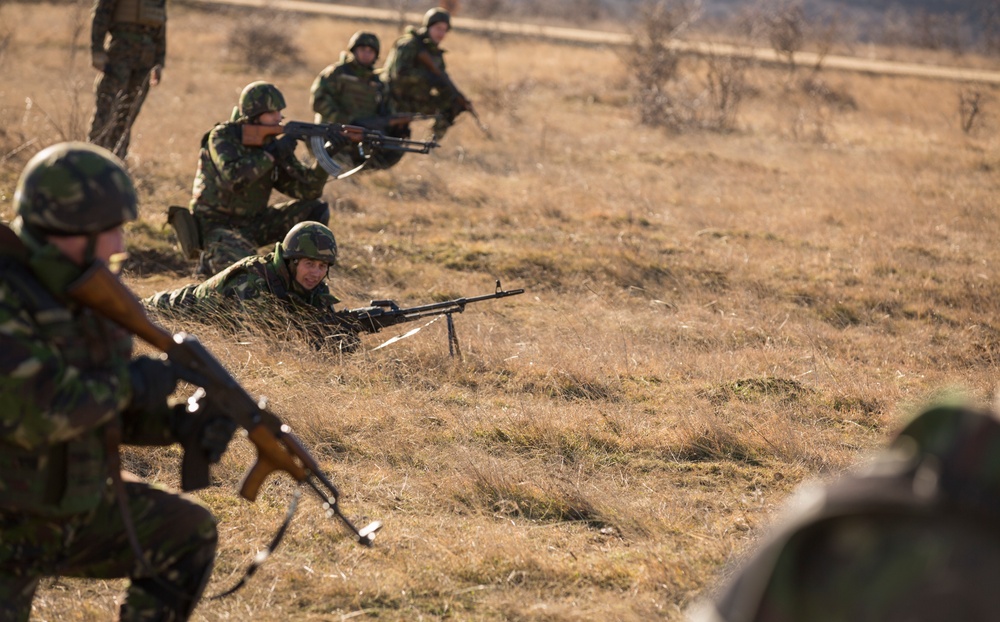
(63, 381)
(138, 30)
(247, 288)
(234, 181)
(347, 92)
(403, 73)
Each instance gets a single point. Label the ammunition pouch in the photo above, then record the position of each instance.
(187, 231)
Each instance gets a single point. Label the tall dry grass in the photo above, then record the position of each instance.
(710, 319)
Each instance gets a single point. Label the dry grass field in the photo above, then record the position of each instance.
(710, 319)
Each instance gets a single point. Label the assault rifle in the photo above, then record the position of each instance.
(380, 314)
(319, 134)
(442, 80)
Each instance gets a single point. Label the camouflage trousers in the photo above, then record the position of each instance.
(227, 242)
(121, 89)
(177, 535)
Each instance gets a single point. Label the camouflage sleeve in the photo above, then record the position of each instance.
(43, 399)
(102, 11)
(300, 181)
(238, 165)
(325, 95)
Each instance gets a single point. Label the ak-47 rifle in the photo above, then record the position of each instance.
(443, 81)
(318, 134)
(397, 120)
(381, 314)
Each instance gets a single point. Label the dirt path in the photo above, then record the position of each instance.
(575, 35)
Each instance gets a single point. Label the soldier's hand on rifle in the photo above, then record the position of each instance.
(155, 74)
(153, 380)
(99, 59)
(281, 148)
(199, 425)
(336, 142)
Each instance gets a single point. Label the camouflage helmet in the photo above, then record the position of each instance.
(260, 97)
(436, 15)
(311, 240)
(74, 188)
(369, 39)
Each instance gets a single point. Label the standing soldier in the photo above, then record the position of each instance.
(70, 391)
(131, 62)
(234, 181)
(416, 77)
(288, 282)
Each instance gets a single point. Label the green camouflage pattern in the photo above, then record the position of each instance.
(258, 98)
(312, 240)
(912, 537)
(177, 535)
(245, 291)
(412, 87)
(74, 188)
(231, 192)
(64, 386)
(347, 92)
(133, 50)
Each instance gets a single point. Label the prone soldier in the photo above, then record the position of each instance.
(290, 279)
(71, 392)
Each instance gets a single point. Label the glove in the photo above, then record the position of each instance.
(99, 59)
(153, 380)
(199, 425)
(215, 437)
(337, 142)
(282, 148)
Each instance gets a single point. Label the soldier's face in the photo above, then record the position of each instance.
(309, 272)
(437, 32)
(109, 246)
(270, 118)
(364, 54)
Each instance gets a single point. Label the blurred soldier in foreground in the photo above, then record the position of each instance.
(285, 286)
(70, 392)
(234, 181)
(913, 538)
(129, 64)
(350, 92)
(416, 77)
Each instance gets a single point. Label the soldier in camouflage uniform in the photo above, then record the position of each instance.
(69, 391)
(131, 62)
(284, 286)
(413, 86)
(912, 538)
(234, 181)
(352, 93)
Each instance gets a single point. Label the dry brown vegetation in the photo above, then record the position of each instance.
(710, 318)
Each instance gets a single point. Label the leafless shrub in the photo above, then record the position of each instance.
(726, 85)
(654, 61)
(786, 30)
(264, 41)
(970, 108)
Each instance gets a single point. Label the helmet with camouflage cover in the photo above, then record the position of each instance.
(260, 97)
(74, 188)
(361, 37)
(436, 15)
(310, 240)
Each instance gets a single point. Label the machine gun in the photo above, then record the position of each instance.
(319, 134)
(380, 314)
(442, 80)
